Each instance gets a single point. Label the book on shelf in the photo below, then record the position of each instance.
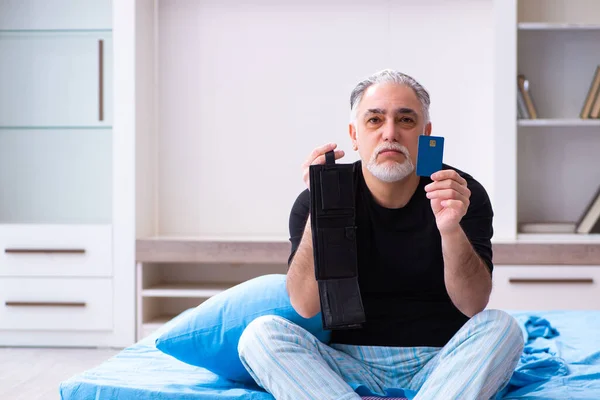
(525, 104)
(591, 106)
(589, 222)
(522, 112)
(595, 111)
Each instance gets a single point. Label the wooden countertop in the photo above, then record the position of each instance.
(213, 250)
(547, 253)
(276, 251)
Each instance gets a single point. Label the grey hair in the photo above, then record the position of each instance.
(388, 75)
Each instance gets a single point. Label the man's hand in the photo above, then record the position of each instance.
(318, 157)
(449, 199)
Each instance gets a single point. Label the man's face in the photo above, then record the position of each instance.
(389, 121)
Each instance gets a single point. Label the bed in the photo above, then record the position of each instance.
(561, 360)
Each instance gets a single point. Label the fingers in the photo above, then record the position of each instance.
(317, 156)
(455, 204)
(448, 194)
(448, 174)
(448, 184)
(319, 151)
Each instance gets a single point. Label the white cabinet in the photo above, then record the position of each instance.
(55, 79)
(546, 287)
(66, 277)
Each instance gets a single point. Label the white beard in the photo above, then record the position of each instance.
(391, 171)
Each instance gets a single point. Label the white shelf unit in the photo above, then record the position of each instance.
(545, 169)
(558, 50)
(65, 168)
(167, 289)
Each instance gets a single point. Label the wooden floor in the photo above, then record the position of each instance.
(34, 374)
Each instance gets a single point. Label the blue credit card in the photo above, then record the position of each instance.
(430, 155)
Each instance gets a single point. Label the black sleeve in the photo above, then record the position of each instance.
(298, 217)
(477, 222)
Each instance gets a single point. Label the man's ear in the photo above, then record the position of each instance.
(428, 129)
(352, 133)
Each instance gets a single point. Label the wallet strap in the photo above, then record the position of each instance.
(330, 158)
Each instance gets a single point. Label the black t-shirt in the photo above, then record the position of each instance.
(400, 265)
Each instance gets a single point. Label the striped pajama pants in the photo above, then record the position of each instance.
(291, 363)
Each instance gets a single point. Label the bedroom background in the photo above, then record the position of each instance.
(150, 150)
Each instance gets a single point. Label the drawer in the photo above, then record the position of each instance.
(545, 287)
(56, 304)
(55, 250)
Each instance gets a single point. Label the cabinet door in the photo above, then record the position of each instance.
(55, 79)
(55, 14)
(56, 176)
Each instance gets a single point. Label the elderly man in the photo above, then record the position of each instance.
(424, 272)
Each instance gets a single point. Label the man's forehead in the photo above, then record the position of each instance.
(386, 95)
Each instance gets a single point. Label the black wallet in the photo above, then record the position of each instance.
(333, 214)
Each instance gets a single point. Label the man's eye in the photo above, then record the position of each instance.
(406, 120)
(374, 120)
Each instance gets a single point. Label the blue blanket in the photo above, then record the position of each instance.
(561, 360)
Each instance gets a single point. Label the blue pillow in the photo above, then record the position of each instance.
(208, 336)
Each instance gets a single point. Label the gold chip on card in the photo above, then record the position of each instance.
(432, 143)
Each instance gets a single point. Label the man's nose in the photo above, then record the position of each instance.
(389, 131)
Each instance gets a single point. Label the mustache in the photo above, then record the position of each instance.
(392, 146)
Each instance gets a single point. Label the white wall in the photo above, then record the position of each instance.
(146, 119)
(247, 91)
